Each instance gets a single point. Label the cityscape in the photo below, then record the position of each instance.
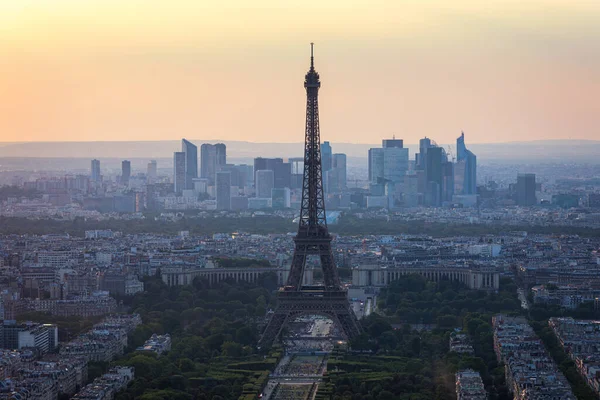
(381, 266)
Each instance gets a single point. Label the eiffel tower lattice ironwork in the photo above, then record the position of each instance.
(313, 238)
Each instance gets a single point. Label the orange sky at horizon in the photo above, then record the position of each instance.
(501, 71)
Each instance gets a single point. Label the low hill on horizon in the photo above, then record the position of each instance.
(582, 151)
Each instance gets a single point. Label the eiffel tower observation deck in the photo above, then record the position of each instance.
(313, 239)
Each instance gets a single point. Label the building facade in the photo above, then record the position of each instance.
(125, 172)
(191, 163)
(223, 190)
(96, 176)
(178, 172)
(212, 156)
(466, 168)
(525, 190)
(265, 182)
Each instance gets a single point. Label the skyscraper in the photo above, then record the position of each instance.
(297, 164)
(211, 157)
(125, 172)
(282, 172)
(526, 190)
(178, 172)
(151, 172)
(447, 180)
(326, 157)
(221, 152)
(336, 176)
(421, 156)
(466, 168)
(223, 190)
(434, 161)
(96, 176)
(191, 163)
(388, 163)
(264, 183)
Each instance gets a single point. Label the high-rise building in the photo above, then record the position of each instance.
(388, 163)
(125, 172)
(421, 156)
(526, 190)
(191, 163)
(375, 166)
(151, 172)
(447, 181)
(221, 151)
(246, 175)
(223, 190)
(326, 157)
(241, 175)
(297, 164)
(466, 168)
(335, 178)
(282, 172)
(178, 172)
(264, 183)
(339, 164)
(435, 159)
(212, 156)
(96, 176)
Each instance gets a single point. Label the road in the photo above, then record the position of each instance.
(299, 372)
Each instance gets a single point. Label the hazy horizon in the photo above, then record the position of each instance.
(157, 70)
(291, 142)
(535, 151)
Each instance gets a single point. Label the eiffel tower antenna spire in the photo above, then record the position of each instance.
(313, 238)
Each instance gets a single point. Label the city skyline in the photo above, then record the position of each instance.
(154, 71)
(442, 259)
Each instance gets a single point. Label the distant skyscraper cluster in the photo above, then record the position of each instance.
(206, 180)
(433, 180)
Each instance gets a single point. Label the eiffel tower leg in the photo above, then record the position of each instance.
(349, 324)
(297, 267)
(330, 273)
(273, 329)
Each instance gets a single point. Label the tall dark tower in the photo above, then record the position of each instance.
(313, 238)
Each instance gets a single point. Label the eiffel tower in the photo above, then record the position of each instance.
(313, 238)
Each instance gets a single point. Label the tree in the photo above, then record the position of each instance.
(232, 349)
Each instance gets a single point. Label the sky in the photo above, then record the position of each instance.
(91, 70)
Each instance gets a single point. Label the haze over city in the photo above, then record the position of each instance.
(154, 70)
